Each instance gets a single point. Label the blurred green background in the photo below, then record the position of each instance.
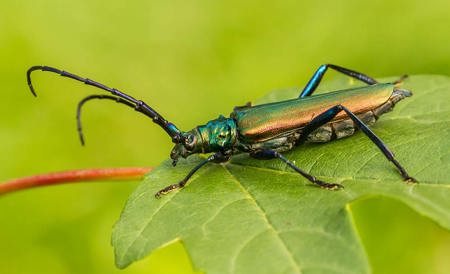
(190, 60)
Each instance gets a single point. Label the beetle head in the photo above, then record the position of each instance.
(217, 135)
(190, 143)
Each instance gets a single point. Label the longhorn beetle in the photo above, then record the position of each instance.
(264, 131)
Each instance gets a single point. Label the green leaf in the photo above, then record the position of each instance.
(251, 216)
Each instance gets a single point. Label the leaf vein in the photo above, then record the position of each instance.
(139, 234)
(268, 222)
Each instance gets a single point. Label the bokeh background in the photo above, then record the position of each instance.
(190, 60)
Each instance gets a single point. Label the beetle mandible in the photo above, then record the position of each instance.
(264, 131)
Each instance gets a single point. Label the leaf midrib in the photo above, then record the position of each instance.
(267, 221)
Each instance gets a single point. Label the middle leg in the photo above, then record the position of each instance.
(270, 154)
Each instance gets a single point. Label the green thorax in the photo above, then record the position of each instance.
(218, 135)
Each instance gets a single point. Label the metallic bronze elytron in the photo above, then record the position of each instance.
(264, 122)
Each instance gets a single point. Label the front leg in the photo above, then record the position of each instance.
(270, 154)
(218, 157)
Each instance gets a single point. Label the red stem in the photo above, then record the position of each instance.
(72, 176)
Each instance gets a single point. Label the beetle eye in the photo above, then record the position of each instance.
(190, 141)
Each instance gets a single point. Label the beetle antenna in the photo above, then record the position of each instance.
(91, 97)
(139, 105)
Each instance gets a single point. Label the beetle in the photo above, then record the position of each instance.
(265, 131)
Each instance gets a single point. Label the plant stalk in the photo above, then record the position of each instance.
(73, 176)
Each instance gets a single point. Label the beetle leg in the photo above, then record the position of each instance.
(218, 157)
(329, 114)
(317, 77)
(247, 105)
(270, 154)
(400, 80)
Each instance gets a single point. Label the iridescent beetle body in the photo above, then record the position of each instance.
(279, 125)
(264, 131)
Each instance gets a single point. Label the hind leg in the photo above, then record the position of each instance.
(320, 72)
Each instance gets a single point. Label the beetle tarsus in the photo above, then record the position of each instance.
(403, 172)
(329, 186)
(410, 180)
(325, 185)
(170, 188)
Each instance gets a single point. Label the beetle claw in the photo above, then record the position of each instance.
(410, 180)
(170, 188)
(331, 186)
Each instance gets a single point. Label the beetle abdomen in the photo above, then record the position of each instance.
(346, 127)
(339, 129)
